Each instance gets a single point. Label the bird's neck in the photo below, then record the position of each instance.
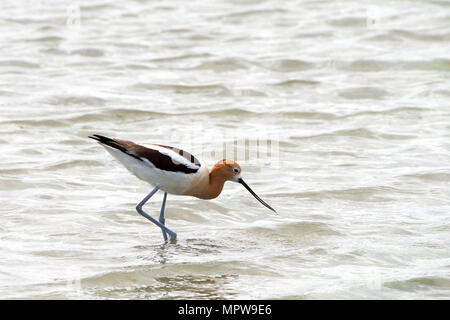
(216, 182)
(211, 185)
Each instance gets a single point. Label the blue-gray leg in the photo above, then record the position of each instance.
(161, 215)
(172, 234)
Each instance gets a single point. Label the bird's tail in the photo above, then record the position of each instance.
(108, 141)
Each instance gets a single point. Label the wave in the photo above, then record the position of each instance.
(294, 230)
(359, 194)
(420, 283)
(356, 132)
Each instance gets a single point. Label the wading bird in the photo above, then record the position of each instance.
(174, 171)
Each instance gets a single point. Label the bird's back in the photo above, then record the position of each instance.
(174, 169)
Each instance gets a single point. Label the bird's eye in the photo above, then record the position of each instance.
(236, 170)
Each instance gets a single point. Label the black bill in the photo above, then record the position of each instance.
(255, 195)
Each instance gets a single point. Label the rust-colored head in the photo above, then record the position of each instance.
(228, 170)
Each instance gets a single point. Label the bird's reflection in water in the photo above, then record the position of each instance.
(158, 253)
(178, 249)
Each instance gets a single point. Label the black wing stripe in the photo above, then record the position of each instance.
(112, 143)
(162, 161)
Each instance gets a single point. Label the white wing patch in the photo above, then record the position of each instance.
(176, 157)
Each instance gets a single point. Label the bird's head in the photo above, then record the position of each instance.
(230, 170)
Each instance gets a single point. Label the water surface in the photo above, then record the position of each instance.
(354, 96)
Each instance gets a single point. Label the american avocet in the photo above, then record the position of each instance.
(174, 171)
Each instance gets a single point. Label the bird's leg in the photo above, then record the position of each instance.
(172, 234)
(161, 215)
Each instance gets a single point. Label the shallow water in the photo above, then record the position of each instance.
(353, 97)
